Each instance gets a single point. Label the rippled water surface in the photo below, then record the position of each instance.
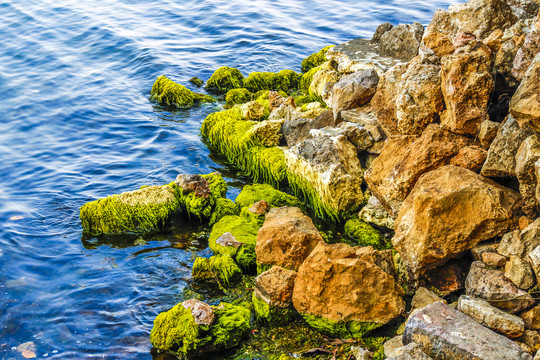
(76, 125)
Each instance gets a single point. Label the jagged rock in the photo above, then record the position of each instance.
(526, 53)
(441, 23)
(497, 320)
(284, 112)
(361, 353)
(381, 29)
(470, 157)
(355, 133)
(272, 296)
(434, 46)
(320, 79)
(375, 213)
(478, 251)
(252, 110)
(401, 41)
(524, 9)
(366, 118)
(228, 240)
(203, 314)
(445, 333)
(466, 86)
(520, 243)
(494, 287)
(526, 157)
(449, 277)
(531, 318)
(462, 39)
(501, 161)
(481, 17)
(493, 259)
(286, 238)
(193, 183)
(269, 132)
(342, 291)
(275, 100)
(450, 210)
(519, 272)
(328, 172)
(524, 222)
(312, 110)
(260, 208)
(404, 159)
(423, 297)
(494, 40)
(353, 90)
(525, 104)
(534, 259)
(411, 351)
(531, 338)
(392, 346)
(296, 130)
(488, 132)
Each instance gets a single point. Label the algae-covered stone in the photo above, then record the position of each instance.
(220, 268)
(197, 194)
(167, 92)
(179, 332)
(224, 79)
(315, 59)
(251, 194)
(284, 80)
(237, 96)
(364, 234)
(223, 208)
(306, 80)
(140, 210)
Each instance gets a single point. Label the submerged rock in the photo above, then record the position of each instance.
(168, 93)
(221, 269)
(224, 79)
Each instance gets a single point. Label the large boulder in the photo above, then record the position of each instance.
(341, 290)
(525, 104)
(354, 90)
(286, 238)
(404, 159)
(445, 333)
(297, 129)
(401, 41)
(449, 211)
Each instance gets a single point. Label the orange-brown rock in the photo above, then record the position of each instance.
(449, 211)
(440, 44)
(470, 157)
(494, 40)
(525, 104)
(404, 159)
(448, 278)
(286, 238)
(275, 286)
(342, 283)
(527, 52)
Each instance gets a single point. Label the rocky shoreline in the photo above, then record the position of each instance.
(420, 145)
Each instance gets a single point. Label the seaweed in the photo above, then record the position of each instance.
(341, 329)
(224, 79)
(251, 194)
(315, 59)
(364, 234)
(169, 93)
(220, 269)
(237, 96)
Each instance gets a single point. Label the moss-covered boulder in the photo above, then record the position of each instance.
(169, 93)
(364, 234)
(315, 59)
(272, 296)
(284, 80)
(193, 329)
(224, 79)
(251, 194)
(220, 269)
(198, 194)
(237, 96)
(305, 81)
(223, 208)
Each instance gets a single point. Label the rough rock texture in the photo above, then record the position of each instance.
(478, 251)
(520, 244)
(441, 23)
(344, 286)
(525, 104)
(268, 132)
(531, 338)
(481, 17)
(375, 213)
(252, 110)
(366, 118)
(286, 238)
(411, 351)
(466, 86)
(355, 133)
(488, 132)
(392, 346)
(354, 90)
(518, 271)
(493, 259)
(534, 260)
(445, 333)
(320, 79)
(297, 129)
(497, 320)
(449, 277)
(440, 44)
(531, 318)
(470, 157)
(450, 210)
(494, 287)
(401, 41)
(526, 53)
(526, 157)
(501, 161)
(423, 297)
(202, 313)
(404, 159)
(275, 286)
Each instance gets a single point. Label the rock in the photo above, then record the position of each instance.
(525, 104)
(341, 290)
(193, 183)
(494, 287)
(524, 222)
(526, 53)
(411, 351)
(260, 208)
(441, 23)
(328, 172)
(366, 118)
(494, 40)
(500, 161)
(520, 244)
(531, 338)
(228, 240)
(311, 110)
(450, 210)
(466, 86)
(392, 346)
(439, 43)
(297, 130)
(272, 297)
(504, 59)
(439, 329)
(320, 79)
(488, 132)
(401, 41)
(268, 132)
(531, 318)
(534, 260)
(381, 29)
(470, 157)
(497, 320)
(284, 112)
(355, 133)
(493, 259)
(275, 100)
(286, 238)
(220, 269)
(202, 313)
(354, 90)
(375, 213)
(478, 251)
(28, 346)
(361, 353)
(224, 79)
(481, 17)
(254, 193)
(523, 9)
(519, 272)
(422, 298)
(252, 110)
(462, 39)
(404, 159)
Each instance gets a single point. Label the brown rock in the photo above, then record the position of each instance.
(404, 159)
(439, 43)
(526, 157)
(493, 259)
(470, 157)
(534, 260)
(448, 278)
(494, 40)
(260, 208)
(297, 129)
(520, 244)
(401, 41)
(525, 104)
(337, 284)
(286, 238)
(512, 41)
(462, 39)
(354, 90)
(193, 183)
(320, 79)
(532, 318)
(449, 211)
(518, 271)
(524, 222)
(365, 117)
(383, 102)
(526, 53)
(381, 29)
(202, 312)
(441, 23)
(466, 86)
(531, 338)
(488, 132)
(423, 297)
(275, 100)
(275, 286)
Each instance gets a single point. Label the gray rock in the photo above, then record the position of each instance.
(355, 133)
(501, 161)
(497, 320)
(524, 9)
(402, 41)
(518, 271)
(354, 90)
(392, 346)
(445, 333)
(520, 243)
(367, 118)
(493, 259)
(493, 286)
(375, 213)
(193, 183)
(488, 132)
(482, 248)
(411, 351)
(283, 112)
(381, 29)
(361, 353)
(228, 240)
(423, 297)
(297, 130)
(275, 286)
(534, 261)
(526, 157)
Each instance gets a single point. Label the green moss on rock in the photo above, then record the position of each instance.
(315, 59)
(251, 194)
(364, 234)
(270, 314)
(200, 206)
(223, 208)
(342, 330)
(220, 269)
(305, 81)
(224, 79)
(169, 93)
(237, 96)
(284, 80)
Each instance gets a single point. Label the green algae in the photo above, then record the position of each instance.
(169, 93)
(223, 208)
(283, 80)
(364, 234)
(200, 206)
(237, 96)
(267, 314)
(175, 331)
(196, 81)
(251, 194)
(220, 269)
(315, 59)
(224, 79)
(341, 329)
(306, 80)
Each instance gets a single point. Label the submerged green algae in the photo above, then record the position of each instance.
(169, 93)
(267, 314)
(224, 79)
(251, 194)
(221, 269)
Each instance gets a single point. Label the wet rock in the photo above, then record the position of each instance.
(401, 41)
(27, 346)
(481, 17)
(449, 211)
(525, 104)
(286, 238)
(404, 159)
(439, 329)
(202, 313)
(193, 183)
(273, 294)
(470, 157)
(494, 287)
(501, 161)
(423, 297)
(340, 290)
(375, 213)
(354, 90)
(531, 338)
(488, 132)
(260, 208)
(297, 130)
(497, 320)
(466, 86)
(531, 318)
(411, 351)
(328, 172)
(519, 272)
(320, 79)
(493, 259)
(220, 269)
(520, 243)
(526, 53)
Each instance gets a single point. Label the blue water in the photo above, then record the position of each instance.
(76, 125)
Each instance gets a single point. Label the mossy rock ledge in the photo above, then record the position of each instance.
(169, 93)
